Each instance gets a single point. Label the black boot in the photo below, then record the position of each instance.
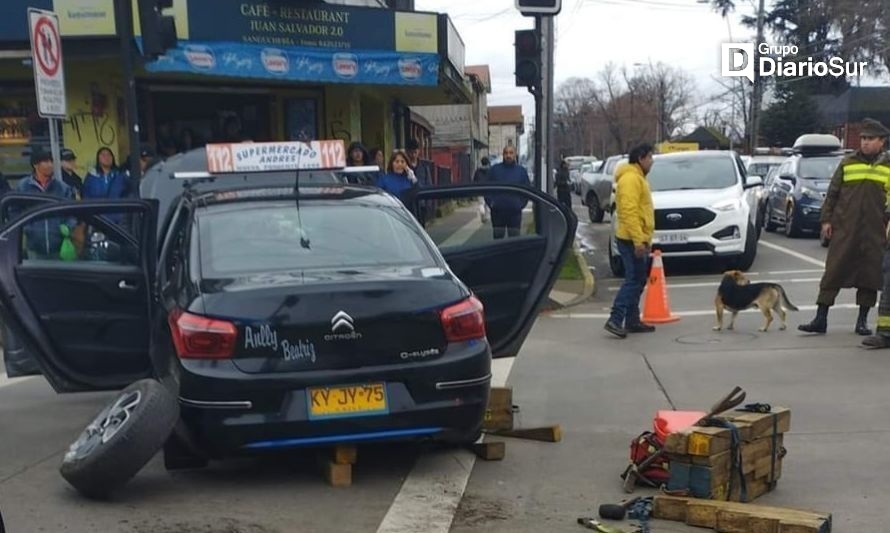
(862, 322)
(819, 324)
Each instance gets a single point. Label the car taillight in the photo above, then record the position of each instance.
(464, 321)
(199, 337)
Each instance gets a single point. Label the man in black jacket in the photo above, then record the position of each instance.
(69, 171)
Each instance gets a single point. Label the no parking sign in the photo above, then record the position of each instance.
(46, 56)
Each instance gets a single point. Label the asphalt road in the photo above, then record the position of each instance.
(602, 391)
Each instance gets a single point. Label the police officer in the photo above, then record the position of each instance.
(853, 218)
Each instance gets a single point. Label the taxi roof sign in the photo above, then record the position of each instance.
(275, 156)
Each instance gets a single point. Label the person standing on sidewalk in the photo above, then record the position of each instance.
(563, 184)
(636, 226)
(853, 219)
(506, 208)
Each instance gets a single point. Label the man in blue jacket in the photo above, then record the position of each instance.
(506, 208)
(44, 238)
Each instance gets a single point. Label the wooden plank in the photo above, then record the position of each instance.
(669, 508)
(499, 414)
(490, 451)
(753, 453)
(676, 443)
(708, 441)
(543, 434)
(753, 426)
(729, 516)
(345, 454)
(337, 475)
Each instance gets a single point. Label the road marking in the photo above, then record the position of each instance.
(697, 312)
(792, 253)
(717, 284)
(430, 495)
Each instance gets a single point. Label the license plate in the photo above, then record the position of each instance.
(672, 238)
(353, 400)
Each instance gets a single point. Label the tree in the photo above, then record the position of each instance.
(573, 115)
(791, 115)
(621, 107)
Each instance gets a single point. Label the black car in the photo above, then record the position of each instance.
(796, 190)
(274, 314)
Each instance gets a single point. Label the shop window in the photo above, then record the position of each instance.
(301, 120)
(21, 131)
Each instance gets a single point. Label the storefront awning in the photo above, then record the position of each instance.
(318, 65)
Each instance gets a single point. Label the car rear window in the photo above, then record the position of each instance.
(818, 167)
(274, 237)
(688, 173)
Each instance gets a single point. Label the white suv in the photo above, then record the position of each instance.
(705, 206)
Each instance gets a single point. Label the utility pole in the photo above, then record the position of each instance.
(549, 43)
(539, 123)
(124, 22)
(757, 95)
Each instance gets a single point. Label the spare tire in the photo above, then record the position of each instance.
(121, 440)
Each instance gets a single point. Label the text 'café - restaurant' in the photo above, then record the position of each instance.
(266, 71)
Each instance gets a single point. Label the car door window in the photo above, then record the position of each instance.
(95, 239)
(481, 220)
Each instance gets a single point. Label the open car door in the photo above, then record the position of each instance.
(509, 256)
(16, 359)
(76, 281)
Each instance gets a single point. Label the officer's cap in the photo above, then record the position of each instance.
(873, 128)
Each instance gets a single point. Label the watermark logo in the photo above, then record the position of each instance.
(738, 61)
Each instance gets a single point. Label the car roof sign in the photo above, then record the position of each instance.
(275, 156)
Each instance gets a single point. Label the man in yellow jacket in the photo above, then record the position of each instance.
(633, 234)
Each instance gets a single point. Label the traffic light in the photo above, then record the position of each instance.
(539, 7)
(528, 58)
(158, 30)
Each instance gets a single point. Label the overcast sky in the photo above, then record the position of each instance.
(590, 33)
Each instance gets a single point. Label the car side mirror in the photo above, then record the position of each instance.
(789, 178)
(753, 181)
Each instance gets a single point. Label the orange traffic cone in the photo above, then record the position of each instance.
(657, 308)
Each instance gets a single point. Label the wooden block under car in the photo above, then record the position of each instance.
(345, 454)
(490, 451)
(499, 414)
(337, 475)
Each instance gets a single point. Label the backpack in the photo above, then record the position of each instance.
(642, 448)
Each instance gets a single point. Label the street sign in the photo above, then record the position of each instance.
(539, 7)
(46, 56)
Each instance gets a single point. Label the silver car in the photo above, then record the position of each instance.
(596, 188)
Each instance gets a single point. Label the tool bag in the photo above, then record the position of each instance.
(642, 448)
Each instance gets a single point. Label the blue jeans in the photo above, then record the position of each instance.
(626, 307)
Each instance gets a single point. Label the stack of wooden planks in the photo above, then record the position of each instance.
(704, 462)
(732, 517)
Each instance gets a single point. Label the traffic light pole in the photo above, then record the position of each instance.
(539, 123)
(123, 10)
(548, 43)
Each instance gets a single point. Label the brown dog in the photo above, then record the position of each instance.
(736, 294)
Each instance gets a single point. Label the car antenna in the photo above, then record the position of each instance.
(304, 239)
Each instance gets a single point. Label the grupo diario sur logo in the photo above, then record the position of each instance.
(783, 61)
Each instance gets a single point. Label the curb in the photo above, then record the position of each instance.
(589, 285)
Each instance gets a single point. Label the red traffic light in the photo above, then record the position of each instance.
(527, 42)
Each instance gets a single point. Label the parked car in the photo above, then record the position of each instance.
(596, 188)
(258, 311)
(761, 165)
(704, 207)
(796, 190)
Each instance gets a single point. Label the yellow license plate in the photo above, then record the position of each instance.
(353, 400)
